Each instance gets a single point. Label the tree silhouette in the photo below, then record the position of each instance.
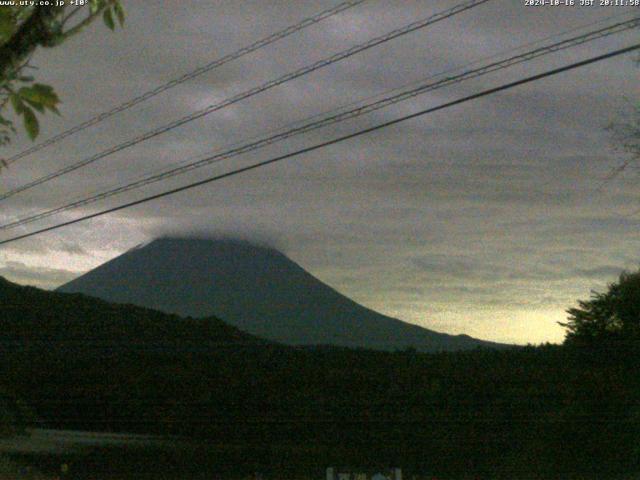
(610, 316)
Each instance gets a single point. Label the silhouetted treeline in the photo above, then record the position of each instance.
(533, 412)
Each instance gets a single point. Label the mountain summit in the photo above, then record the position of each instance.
(256, 289)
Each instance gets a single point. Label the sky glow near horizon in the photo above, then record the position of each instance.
(486, 219)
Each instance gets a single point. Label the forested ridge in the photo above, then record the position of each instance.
(532, 412)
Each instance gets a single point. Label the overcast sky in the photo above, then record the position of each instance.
(488, 218)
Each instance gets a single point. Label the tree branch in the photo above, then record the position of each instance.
(71, 15)
(80, 26)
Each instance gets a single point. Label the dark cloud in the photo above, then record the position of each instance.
(489, 218)
(246, 234)
(605, 271)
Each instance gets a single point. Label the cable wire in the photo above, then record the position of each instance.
(307, 22)
(254, 91)
(339, 117)
(333, 141)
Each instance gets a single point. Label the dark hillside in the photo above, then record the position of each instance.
(546, 412)
(35, 318)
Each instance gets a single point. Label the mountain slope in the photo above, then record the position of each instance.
(256, 289)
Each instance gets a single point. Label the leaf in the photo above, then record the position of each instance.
(107, 16)
(31, 123)
(16, 102)
(40, 94)
(45, 90)
(38, 106)
(7, 27)
(54, 109)
(94, 6)
(7, 124)
(119, 12)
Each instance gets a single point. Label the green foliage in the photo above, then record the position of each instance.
(7, 24)
(40, 97)
(119, 12)
(108, 19)
(6, 130)
(109, 9)
(613, 316)
(22, 30)
(36, 96)
(11, 18)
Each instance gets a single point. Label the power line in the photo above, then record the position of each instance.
(527, 56)
(362, 100)
(339, 117)
(327, 143)
(254, 91)
(307, 22)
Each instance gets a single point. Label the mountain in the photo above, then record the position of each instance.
(255, 288)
